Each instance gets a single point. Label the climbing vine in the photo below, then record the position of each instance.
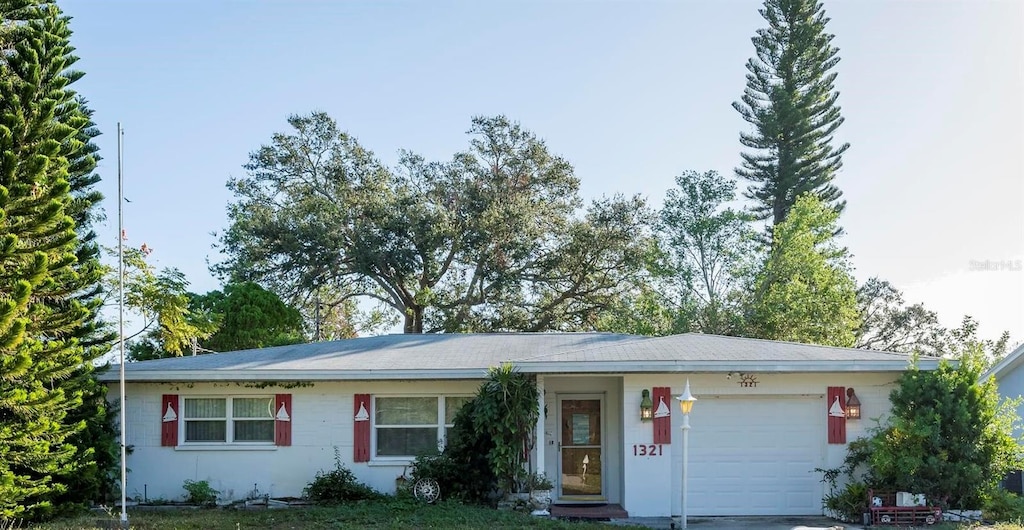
(287, 385)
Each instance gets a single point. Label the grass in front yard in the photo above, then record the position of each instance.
(392, 513)
(957, 526)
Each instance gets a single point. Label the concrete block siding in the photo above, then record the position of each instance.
(653, 485)
(322, 420)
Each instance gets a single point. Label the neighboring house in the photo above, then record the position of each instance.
(1009, 375)
(768, 413)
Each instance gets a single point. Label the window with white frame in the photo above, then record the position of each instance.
(229, 419)
(412, 426)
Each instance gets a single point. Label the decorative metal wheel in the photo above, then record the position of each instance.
(930, 519)
(886, 519)
(426, 490)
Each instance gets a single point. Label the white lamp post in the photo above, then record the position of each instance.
(686, 401)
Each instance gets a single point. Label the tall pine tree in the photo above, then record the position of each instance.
(48, 332)
(790, 100)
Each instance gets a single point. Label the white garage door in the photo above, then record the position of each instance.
(756, 456)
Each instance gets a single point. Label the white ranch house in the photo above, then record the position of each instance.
(768, 413)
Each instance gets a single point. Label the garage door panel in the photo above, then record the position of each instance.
(756, 456)
(763, 499)
(729, 469)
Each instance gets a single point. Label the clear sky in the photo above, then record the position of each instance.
(631, 92)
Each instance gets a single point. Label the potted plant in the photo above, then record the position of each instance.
(540, 491)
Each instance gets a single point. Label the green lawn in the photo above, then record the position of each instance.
(958, 526)
(402, 514)
(395, 513)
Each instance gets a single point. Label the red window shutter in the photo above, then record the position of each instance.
(362, 412)
(662, 425)
(836, 424)
(169, 420)
(283, 419)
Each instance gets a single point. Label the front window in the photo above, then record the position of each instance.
(452, 404)
(229, 419)
(413, 426)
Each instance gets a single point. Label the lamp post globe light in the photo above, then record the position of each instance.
(686, 401)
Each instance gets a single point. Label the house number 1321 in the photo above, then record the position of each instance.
(647, 450)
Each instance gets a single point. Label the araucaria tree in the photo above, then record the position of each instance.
(790, 101)
(804, 291)
(47, 331)
(487, 241)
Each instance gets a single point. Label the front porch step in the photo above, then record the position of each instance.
(601, 512)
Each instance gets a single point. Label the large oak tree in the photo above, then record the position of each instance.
(490, 240)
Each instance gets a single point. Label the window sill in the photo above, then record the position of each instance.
(225, 447)
(397, 462)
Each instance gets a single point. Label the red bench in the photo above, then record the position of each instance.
(891, 515)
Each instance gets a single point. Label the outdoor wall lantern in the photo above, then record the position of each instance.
(852, 405)
(646, 406)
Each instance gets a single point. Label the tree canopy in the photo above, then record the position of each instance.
(888, 324)
(804, 292)
(169, 326)
(710, 250)
(249, 317)
(486, 241)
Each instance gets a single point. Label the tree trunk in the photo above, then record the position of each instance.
(413, 319)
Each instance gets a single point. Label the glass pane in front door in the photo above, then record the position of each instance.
(581, 447)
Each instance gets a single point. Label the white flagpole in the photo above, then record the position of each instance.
(120, 321)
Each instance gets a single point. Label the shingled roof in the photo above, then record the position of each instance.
(467, 356)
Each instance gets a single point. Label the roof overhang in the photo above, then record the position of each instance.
(1008, 363)
(565, 367)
